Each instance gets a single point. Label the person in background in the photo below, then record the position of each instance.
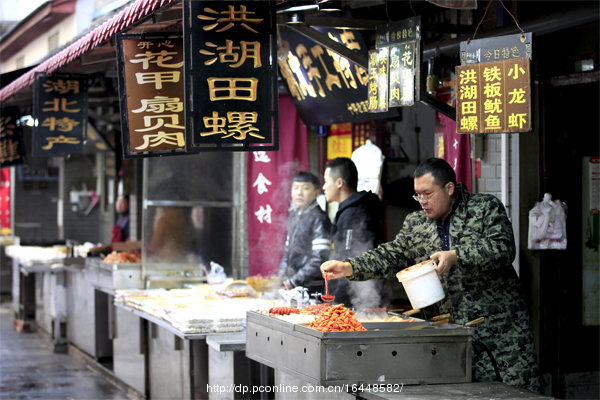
(471, 238)
(120, 231)
(307, 244)
(358, 223)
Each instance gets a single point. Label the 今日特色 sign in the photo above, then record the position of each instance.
(151, 87)
(493, 97)
(402, 40)
(60, 108)
(231, 75)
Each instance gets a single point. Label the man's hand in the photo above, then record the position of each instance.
(446, 259)
(336, 269)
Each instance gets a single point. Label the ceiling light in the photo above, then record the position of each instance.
(331, 5)
(296, 17)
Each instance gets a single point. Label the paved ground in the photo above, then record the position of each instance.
(30, 370)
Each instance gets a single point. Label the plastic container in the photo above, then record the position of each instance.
(422, 285)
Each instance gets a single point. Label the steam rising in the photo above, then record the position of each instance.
(365, 294)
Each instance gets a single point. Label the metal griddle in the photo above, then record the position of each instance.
(392, 354)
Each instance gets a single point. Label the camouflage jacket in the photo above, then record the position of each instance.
(482, 283)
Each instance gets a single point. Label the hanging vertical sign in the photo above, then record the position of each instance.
(403, 41)
(231, 76)
(378, 80)
(60, 111)
(12, 151)
(493, 89)
(151, 88)
(493, 97)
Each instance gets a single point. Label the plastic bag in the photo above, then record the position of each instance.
(216, 275)
(548, 225)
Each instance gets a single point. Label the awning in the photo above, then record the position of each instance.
(128, 17)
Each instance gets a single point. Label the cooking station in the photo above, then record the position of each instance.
(387, 353)
(417, 359)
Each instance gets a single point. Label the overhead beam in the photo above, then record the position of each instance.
(438, 105)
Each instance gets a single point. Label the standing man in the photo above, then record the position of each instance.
(307, 244)
(472, 241)
(358, 223)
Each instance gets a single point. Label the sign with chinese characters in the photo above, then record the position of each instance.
(11, 147)
(493, 97)
(326, 88)
(378, 79)
(60, 111)
(151, 88)
(231, 76)
(497, 48)
(402, 40)
(268, 183)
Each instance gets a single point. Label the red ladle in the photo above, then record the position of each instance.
(327, 297)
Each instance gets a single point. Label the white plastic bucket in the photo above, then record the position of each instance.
(422, 285)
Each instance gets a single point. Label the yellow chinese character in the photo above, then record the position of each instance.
(517, 96)
(160, 59)
(515, 52)
(158, 78)
(160, 104)
(215, 123)
(342, 66)
(468, 92)
(240, 125)
(491, 74)
(330, 79)
(517, 120)
(62, 124)
(231, 54)
(492, 122)
(6, 126)
(467, 76)
(469, 123)
(60, 105)
(52, 140)
(160, 122)
(487, 55)
(232, 88)
(468, 107)
(313, 73)
(349, 40)
(229, 17)
(492, 107)
(515, 71)
(407, 57)
(492, 90)
(171, 138)
(61, 86)
(292, 83)
(9, 151)
(373, 103)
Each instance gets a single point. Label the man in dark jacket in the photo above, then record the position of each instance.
(307, 244)
(358, 223)
(472, 239)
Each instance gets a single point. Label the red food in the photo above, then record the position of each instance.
(336, 318)
(284, 310)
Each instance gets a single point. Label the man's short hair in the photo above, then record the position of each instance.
(441, 171)
(306, 176)
(343, 167)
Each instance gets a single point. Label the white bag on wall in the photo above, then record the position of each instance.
(548, 225)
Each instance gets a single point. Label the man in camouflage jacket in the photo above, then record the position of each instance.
(472, 241)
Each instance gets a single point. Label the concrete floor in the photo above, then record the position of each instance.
(30, 370)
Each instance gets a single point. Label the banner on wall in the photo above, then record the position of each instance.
(269, 180)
